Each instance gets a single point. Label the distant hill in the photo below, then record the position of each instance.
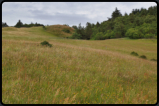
(60, 30)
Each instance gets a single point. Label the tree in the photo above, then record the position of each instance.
(125, 14)
(133, 33)
(138, 21)
(4, 24)
(31, 24)
(75, 35)
(152, 10)
(150, 18)
(99, 36)
(36, 24)
(119, 28)
(143, 12)
(19, 24)
(131, 18)
(97, 24)
(80, 30)
(75, 27)
(88, 30)
(109, 34)
(116, 13)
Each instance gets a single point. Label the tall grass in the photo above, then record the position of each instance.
(77, 71)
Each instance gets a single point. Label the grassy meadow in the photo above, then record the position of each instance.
(76, 71)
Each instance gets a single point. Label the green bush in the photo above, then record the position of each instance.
(134, 53)
(133, 33)
(66, 30)
(99, 36)
(143, 56)
(153, 59)
(149, 35)
(45, 43)
(76, 36)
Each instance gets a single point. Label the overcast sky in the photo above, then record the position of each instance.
(71, 13)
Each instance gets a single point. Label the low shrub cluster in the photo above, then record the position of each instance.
(134, 53)
(153, 59)
(45, 43)
(143, 56)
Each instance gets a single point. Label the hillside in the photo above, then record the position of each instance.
(57, 30)
(76, 71)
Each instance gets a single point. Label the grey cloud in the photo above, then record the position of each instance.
(59, 18)
(71, 13)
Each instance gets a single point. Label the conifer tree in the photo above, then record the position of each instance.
(125, 14)
(4, 24)
(19, 24)
(97, 24)
(116, 13)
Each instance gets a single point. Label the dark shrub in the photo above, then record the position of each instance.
(143, 56)
(46, 44)
(66, 30)
(44, 27)
(134, 53)
(153, 59)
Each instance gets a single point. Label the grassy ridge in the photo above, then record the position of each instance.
(57, 30)
(76, 71)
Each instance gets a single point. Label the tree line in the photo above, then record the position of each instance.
(140, 23)
(20, 24)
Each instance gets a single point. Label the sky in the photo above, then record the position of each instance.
(71, 13)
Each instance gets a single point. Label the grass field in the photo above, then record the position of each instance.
(76, 71)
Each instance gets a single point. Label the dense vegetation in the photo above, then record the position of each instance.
(140, 23)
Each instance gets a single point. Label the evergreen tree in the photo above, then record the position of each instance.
(4, 24)
(36, 24)
(138, 21)
(97, 24)
(116, 13)
(88, 30)
(150, 18)
(19, 24)
(131, 18)
(125, 14)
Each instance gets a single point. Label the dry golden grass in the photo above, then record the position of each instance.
(77, 71)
